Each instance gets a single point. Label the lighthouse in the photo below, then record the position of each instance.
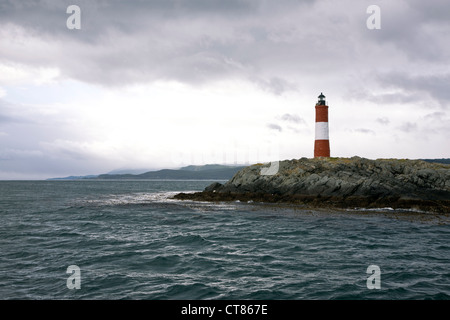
(322, 142)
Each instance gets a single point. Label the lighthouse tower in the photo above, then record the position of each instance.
(322, 142)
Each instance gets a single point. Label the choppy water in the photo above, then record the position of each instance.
(131, 242)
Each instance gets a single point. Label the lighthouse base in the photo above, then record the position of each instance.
(321, 148)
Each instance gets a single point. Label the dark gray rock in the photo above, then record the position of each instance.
(213, 187)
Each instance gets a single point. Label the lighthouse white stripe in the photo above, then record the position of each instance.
(322, 131)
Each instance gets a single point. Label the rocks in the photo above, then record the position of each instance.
(213, 187)
(343, 182)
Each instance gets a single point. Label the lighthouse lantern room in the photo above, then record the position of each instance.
(321, 99)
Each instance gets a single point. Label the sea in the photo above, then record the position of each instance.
(128, 239)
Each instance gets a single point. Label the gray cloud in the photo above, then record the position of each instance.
(9, 115)
(419, 87)
(274, 126)
(275, 44)
(436, 116)
(292, 118)
(415, 28)
(383, 120)
(275, 85)
(5, 118)
(365, 131)
(436, 123)
(288, 118)
(122, 42)
(408, 127)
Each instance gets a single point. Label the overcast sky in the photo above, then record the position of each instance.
(168, 83)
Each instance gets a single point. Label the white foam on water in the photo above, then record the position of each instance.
(389, 209)
(165, 197)
(133, 198)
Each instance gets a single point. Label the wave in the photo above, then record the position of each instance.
(390, 209)
(129, 199)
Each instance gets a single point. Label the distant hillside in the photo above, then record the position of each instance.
(75, 177)
(445, 161)
(130, 171)
(207, 167)
(206, 172)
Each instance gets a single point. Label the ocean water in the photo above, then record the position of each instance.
(131, 241)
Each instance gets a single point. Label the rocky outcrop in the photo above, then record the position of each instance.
(340, 182)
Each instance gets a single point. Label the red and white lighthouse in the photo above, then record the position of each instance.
(322, 142)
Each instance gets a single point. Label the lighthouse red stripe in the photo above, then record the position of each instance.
(321, 148)
(321, 113)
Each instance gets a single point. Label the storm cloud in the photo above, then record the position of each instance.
(247, 67)
(278, 45)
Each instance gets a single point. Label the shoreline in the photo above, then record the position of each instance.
(323, 202)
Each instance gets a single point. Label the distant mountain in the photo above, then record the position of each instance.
(445, 161)
(207, 167)
(130, 171)
(192, 172)
(76, 177)
(205, 172)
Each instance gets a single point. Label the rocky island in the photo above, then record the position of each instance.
(339, 183)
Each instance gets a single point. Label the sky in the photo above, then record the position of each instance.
(169, 83)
